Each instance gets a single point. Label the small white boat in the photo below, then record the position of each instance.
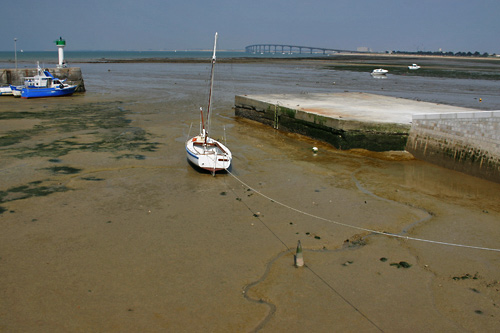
(203, 151)
(414, 67)
(5, 91)
(207, 153)
(379, 71)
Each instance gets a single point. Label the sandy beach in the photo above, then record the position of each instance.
(105, 227)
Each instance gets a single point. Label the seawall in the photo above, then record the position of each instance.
(73, 75)
(467, 142)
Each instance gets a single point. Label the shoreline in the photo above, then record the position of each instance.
(294, 58)
(301, 59)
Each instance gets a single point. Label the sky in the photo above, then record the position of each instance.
(125, 25)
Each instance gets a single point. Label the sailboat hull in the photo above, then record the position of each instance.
(212, 156)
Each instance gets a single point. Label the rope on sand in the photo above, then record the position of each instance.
(272, 307)
(361, 228)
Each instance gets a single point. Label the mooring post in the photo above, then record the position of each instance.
(299, 259)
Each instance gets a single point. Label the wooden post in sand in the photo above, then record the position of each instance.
(299, 259)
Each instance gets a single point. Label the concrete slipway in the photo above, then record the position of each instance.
(345, 120)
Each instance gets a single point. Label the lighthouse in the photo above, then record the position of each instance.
(61, 43)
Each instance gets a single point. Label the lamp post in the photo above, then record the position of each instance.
(15, 51)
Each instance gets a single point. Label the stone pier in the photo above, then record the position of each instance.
(344, 120)
(461, 139)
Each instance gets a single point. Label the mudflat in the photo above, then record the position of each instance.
(106, 227)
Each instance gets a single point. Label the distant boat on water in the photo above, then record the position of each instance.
(379, 71)
(413, 67)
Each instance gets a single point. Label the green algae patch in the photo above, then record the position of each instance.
(134, 156)
(466, 277)
(321, 120)
(12, 138)
(92, 179)
(63, 170)
(290, 113)
(401, 264)
(33, 189)
(94, 127)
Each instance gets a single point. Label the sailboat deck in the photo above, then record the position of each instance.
(207, 149)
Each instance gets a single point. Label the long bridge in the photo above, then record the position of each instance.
(284, 48)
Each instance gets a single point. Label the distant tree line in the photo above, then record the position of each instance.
(440, 53)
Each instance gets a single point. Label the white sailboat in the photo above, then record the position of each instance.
(202, 150)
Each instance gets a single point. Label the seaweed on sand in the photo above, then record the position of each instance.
(66, 170)
(401, 264)
(104, 126)
(33, 189)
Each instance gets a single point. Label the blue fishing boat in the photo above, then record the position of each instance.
(44, 84)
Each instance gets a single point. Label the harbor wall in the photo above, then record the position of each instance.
(341, 133)
(13, 76)
(467, 142)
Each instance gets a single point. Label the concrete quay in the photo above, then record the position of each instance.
(457, 138)
(344, 120)
(13, 76)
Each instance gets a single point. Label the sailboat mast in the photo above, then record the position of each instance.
(202, 122)
(211, 86)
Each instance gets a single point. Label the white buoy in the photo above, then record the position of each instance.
(299, 259)
(61, 43)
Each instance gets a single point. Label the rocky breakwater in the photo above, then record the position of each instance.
(73, 75)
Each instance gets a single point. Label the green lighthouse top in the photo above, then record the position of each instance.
(60, 41)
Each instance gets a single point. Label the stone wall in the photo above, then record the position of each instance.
(73, 75)
(468, 142)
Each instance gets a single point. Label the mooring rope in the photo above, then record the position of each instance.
(360, 228)
(272, 307)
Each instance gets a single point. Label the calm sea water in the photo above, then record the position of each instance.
(256, 77)
(49, 57)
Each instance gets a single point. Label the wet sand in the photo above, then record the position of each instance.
(106, 227)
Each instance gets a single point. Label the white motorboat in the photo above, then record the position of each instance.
(413, 67)
(379, 71)
(5, 91)
(202, 150)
